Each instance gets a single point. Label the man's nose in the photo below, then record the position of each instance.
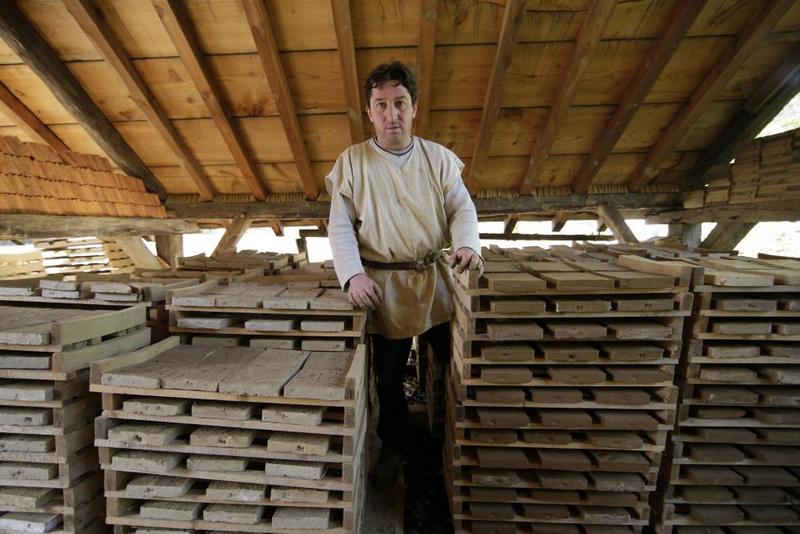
(393, 113)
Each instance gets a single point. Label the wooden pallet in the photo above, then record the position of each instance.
(209, 384)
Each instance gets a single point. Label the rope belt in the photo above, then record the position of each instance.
(420, 265)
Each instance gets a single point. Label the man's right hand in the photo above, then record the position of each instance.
(364, 292)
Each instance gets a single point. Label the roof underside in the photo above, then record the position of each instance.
(465, 44)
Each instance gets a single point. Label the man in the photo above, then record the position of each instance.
(397, 201)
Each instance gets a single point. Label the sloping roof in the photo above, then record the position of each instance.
(556, 99)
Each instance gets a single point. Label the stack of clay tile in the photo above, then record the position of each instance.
(737, 443)
(37, 179)
(50, 478)
(280, 312)
(561, 391)
(232, 439)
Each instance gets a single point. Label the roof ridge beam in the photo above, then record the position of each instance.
(93, 24)
(715, 80)
(176, 21)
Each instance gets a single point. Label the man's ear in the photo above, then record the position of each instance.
(414, 111)
(369, 113)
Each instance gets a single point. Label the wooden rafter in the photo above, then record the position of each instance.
(97, 29)
(277, 227)
(21, 36)
(682, 17)
(509, 224)
(726, 235)
(425, 60)
(264, 37)
(233, 233)
(509, 31)
(595, 23)
(753, 34)
(616, 222)
(176, 21)
(758, 111)
(559, 220)
(343, 24)
(13, 108)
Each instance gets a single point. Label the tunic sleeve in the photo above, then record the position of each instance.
(342, 221)
(461, 215)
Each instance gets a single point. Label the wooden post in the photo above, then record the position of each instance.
(169, 248)
(688, 233)
(138, 252)
(233, 233)
(616, 222)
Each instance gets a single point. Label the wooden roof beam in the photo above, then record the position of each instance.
(93, 24)
(509, 31)
(758, 111)
(594, 25)
(343, 25)
(425, 59)
(753, 34)
(681, 18)
(233, 233)
(176, 21)
(21, 36)
(559, 220)
(509, 224)
(277, 227)
(726, 235)
(616, 222)
(269, 55)
(13, 108)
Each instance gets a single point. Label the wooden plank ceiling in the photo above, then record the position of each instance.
(584, 95)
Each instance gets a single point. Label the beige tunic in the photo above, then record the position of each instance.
(389, 214)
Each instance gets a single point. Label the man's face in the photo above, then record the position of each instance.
(391, 113)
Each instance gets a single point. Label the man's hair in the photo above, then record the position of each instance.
(391, 72)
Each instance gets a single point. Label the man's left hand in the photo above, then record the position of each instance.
(465, 258)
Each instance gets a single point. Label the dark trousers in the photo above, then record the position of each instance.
(389, 358)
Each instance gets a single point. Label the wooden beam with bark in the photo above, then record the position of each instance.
(21, 36)
(17, 112)
(261, 27)
(343, 24)
(496, 206)
(28, 226)
(757, 112)
(509, 31)
(681, 18)
(94, 25)
(425, 59)
(616, 222)
(595, 22)
(752, 35)
(176, 21)
(233, 233)
(726, 235)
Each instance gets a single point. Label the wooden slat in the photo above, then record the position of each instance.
(683, 15)
(24, 118)
(96, 28)
(347, 56)
(233, 233)
(264, 37)
(726, 235)
(425, 61)
(758, 111)
(509, 31)
(20, 35)
(592, 29)
(752, 35)
(616, 222)
(179, 27)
